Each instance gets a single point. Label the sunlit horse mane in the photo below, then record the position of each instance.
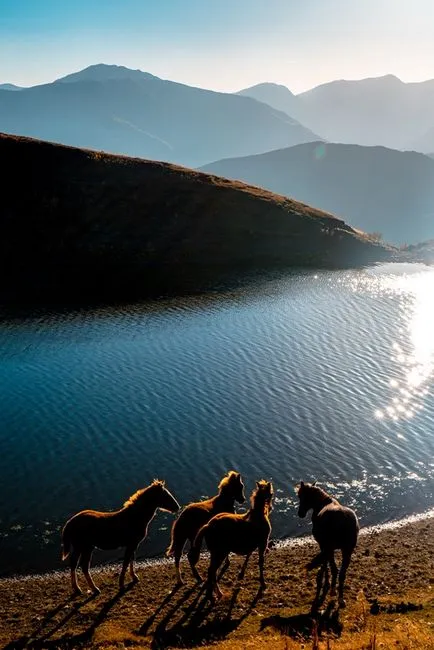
(227, 480)
(263, 491)
(134, 498)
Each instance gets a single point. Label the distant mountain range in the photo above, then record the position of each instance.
(378, 111)
(127, 111)
(89, 226)
(373, 188)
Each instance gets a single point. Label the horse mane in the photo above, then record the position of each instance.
(261, 485)
(315, 491)
(227, 480)
(137, 496)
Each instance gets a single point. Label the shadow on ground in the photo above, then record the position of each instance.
(306, 626)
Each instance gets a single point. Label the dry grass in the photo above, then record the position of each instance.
(391, 569)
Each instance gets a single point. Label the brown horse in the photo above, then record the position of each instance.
(107, 530)
(196, 515)
(241, 534)
(335, 527)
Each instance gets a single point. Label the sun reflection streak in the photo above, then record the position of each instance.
(413, 352)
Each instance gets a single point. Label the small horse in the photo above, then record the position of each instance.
(334, 527)
(240, 534)
(196, 515)
(107, 530)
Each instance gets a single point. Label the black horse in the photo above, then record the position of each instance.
(335, 527)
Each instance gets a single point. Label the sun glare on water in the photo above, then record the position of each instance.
(413, 349)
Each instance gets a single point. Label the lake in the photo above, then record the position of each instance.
(309, 375)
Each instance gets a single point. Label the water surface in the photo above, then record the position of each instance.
(325, 376)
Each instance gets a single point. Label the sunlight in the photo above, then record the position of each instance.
(414, 353)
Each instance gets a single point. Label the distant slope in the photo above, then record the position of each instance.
(9, 87)
(127, 111)
(88, 226)
(378, 111)
(372, 188)
(275, 95)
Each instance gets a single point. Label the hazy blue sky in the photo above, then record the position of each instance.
(219, 44)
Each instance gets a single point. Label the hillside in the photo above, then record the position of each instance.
(378, 111)
(372, 188)
(9, 87)
(93, 226)
(131, 112)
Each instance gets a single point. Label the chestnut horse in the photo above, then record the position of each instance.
(241, 534)
(196, 515)
(107, 530)
(335, 527)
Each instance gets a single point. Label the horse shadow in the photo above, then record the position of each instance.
(307, 626)
(40, 637)
(199, 623)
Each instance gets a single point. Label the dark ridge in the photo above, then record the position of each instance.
(89, 227)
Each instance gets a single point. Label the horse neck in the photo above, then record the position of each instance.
(224, 501)
(142, 510)
(321, 500)
(259, 511)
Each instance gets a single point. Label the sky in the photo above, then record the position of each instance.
(224, 45)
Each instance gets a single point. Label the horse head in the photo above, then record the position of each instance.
(304, 492)
(233, 485)
(163, 498)
(263, 494)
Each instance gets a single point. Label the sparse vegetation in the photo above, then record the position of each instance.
(390, 604)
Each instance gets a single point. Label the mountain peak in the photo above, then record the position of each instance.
(106, 72)
(265, 86)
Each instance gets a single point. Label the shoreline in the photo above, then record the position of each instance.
(393, 564)
(305, 539)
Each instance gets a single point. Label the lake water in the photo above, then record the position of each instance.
(325, 376)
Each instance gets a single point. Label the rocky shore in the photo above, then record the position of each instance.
(390, 591)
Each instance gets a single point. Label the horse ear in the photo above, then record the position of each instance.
(302, 484)
(257, 484)
(314, 483)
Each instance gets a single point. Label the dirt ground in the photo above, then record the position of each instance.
(38, 612)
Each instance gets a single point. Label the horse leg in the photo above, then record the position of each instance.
(244, 567)
(128, 560)
(261, 552)
(346, 558)
(133, 574)
(73, 562)
(86, 554)
(194, 571)
(212, 584)
(334, 570)
(178, 548)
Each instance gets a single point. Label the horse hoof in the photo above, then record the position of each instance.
(96, 591)
(342, 603)
(263, 586)
(135, 579)
(77, 592)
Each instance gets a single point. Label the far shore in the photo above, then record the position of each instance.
(393, 564)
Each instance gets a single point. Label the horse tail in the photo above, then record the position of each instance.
(194, 553)
(66, 543)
